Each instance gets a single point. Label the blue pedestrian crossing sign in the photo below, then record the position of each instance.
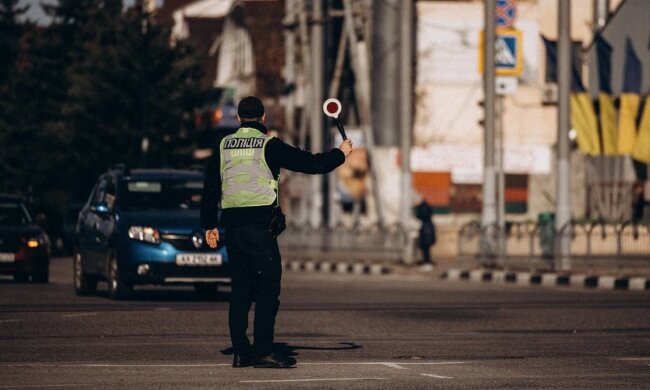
(508, 59)
(506, 10)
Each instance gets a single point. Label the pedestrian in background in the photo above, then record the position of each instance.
(639, 205)
(427, 234)
(242, 176)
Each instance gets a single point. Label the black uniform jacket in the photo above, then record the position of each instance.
(278, 155)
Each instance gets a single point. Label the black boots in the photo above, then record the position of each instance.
(242, 361)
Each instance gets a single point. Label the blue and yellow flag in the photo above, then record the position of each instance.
(641, 150)
(630, 101)
(583, 115)
(607, 112)
(584, 120)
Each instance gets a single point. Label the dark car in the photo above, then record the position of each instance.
(143, 227)
(69, 223)
(24, 246)
(213, 123)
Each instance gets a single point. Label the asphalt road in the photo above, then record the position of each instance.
(352, 332)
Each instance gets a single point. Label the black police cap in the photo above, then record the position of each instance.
(250, 107)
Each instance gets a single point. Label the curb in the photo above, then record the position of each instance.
(337, 268)
(548, 279)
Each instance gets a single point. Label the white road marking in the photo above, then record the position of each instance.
(438, 376)
(42, 386)
(435, 363)
(8, 321)
(79, 315)
(634, 359)
(151, 365)
(396, 365)
(389, 364)
(313, 380)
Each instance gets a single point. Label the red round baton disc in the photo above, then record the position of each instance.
(332, 107)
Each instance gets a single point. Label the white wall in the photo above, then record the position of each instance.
(449, 86)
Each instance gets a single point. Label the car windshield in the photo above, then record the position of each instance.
(161, 194)
(13, 214)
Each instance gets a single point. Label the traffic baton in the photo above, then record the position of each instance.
(332, 108)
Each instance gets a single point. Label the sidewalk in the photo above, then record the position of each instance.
(379, 253)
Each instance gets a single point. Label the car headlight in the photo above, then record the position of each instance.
(145, 234)
(35, 242)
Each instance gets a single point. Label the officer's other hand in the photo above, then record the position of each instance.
(346, 147)
(212, 237)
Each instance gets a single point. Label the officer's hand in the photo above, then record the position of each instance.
(212, 237)
(346, 147)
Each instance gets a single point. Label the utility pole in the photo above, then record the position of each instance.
(143, 93)
(406, 113)
(325, 131)
(501, 179)
(489, 212)
(316, 125)
(601, 14)
(290, 66)
(563, 199)
(305, 57)
(386, 51)
(333, 88)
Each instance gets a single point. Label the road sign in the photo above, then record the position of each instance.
(509, 52)
(506, 11)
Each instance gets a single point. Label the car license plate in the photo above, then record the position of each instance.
(7, 257)
(199, 259)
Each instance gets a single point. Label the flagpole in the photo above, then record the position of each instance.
(563, 188)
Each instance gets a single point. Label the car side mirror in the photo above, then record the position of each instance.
(101, 209)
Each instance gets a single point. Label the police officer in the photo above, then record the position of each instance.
(242, 176)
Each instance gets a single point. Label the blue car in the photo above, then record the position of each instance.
(142, 226)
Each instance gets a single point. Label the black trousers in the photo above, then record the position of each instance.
(256, 275)
(426, 256)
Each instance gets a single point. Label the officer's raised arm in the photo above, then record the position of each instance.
(346, 147)
(298, 160)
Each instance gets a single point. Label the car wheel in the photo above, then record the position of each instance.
(42, 276)
(83, 284)
(117, 287)
(207, 290)
(21, 277)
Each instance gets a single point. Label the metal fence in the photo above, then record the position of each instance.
(532, 245)
(372, 241)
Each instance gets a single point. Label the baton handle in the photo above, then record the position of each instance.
(341, 129)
